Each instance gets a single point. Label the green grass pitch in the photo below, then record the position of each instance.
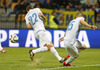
(18, 59)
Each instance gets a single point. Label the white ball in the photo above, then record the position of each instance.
(13, 38)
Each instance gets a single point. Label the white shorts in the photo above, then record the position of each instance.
(43, 38)
(78, 44)
(72, 49)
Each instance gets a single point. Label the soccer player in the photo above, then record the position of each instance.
(34, 20)
(72, 45)
(2, 49)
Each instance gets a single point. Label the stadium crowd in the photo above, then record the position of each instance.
(19, 6)
(68, 5)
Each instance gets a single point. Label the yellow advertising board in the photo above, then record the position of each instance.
(68, 16)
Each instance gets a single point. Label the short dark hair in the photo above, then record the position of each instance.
(79, 14)
(29, 7)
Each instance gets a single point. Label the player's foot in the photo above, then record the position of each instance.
(64, 59)
(68, 55)
(31, 54)
(3, 51)
(66, 64)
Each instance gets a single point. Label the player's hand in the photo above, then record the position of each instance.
(61, 39)
(94, 27)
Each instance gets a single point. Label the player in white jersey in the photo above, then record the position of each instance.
(34, 20)
(72, 45)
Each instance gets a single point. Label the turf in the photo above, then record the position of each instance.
(18, 59)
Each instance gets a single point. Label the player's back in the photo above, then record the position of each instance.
(73, 29)
(34, 19)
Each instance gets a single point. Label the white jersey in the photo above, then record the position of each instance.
(72, 30)
(34, 19)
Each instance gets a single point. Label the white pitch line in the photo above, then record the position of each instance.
(67, 67)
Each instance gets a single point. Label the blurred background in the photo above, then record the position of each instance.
(58, 14)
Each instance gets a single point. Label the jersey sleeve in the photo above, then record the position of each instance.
(38, 10)
(81, 18)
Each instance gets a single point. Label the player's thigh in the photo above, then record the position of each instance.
(72, 50)
(78, 44)
(44, 39)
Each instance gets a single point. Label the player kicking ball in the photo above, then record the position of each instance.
(34, 20)
(72, 45)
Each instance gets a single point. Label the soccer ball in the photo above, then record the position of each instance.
(13, 38)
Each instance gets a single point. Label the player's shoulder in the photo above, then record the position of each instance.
(37, 8)
(27, 15)
(30, 11)
(80, 18)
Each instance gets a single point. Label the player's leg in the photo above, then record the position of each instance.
(46, 44)
(41, 49)
(43, 42)
(45, 48)
(40, 37)
(83, 47)
(66, 57)
(50, 47)
(32, 52)
(53, 51)
(46, 41)
(1, 49)
(72, 51)
(80, 46)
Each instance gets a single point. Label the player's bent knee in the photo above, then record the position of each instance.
(49, 46)
(83, 48)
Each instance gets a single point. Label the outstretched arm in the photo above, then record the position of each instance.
(62, 38)
(86, 24)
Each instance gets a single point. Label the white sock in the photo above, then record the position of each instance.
(53, 50)
(40, 50)
(70, 60)
(0, 47)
